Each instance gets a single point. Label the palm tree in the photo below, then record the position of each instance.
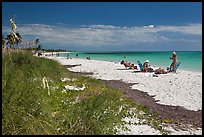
(13, 40)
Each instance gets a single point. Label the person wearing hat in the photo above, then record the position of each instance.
(146, 66)
(174, 60)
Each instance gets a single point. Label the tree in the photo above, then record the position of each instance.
(13, 39)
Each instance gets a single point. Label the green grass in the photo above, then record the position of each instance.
(27, 108)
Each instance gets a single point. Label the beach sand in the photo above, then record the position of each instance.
(183, 90)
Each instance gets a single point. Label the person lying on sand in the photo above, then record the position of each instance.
(133, 66)
(128, 65)
(125, 63)
(160, 71)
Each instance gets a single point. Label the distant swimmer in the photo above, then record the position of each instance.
(123, 56)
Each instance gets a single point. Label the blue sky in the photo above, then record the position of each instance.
(108, 26)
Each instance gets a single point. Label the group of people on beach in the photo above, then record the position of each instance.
(147, 68)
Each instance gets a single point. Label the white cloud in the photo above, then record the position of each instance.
(104, 35)
(194, 29)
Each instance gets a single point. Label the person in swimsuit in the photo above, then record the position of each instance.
(174, 60)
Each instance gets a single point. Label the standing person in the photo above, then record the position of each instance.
(174, 60)
(77, 55)
(67, 55)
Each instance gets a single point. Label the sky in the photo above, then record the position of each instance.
(107, 26)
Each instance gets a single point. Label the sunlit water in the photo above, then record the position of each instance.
(191, 61)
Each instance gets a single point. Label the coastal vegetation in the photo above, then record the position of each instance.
(29, 106)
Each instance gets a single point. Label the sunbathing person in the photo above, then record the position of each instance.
(122, 62)
(133, 66)
(125, 63)
(146, 67)
(128, 65)
(160, 71)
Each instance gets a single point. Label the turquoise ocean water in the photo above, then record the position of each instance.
(189, 60)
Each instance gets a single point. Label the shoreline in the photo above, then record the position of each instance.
(197, 70)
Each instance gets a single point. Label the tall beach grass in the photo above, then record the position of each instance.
(28, 107)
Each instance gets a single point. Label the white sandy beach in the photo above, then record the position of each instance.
(181, 89)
